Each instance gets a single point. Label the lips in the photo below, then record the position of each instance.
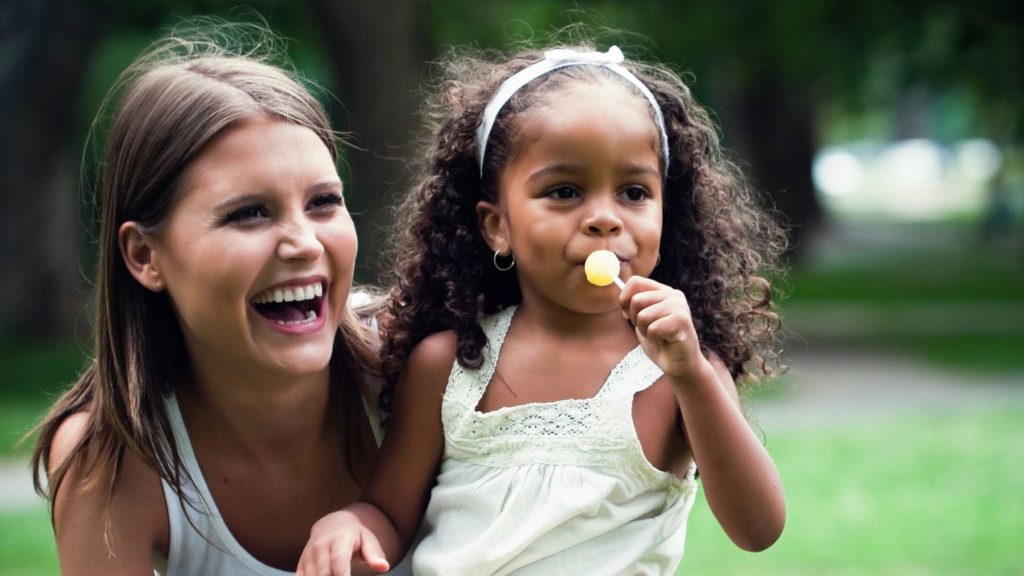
(291, 305)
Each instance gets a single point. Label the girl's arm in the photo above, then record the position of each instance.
(740, 481)
(98, 534)
(384, 523)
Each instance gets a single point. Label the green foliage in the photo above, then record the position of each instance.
(34, 375)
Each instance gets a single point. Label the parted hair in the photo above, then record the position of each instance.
(720, 244)
(183, 91)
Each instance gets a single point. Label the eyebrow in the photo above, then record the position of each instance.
(564, 168)
(325, 186)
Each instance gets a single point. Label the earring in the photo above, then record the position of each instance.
(499, 266)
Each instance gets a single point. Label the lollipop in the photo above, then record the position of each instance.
(602, 268)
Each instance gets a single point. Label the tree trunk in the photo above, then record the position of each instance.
(378, 53)
(47, 48)
(771, 123)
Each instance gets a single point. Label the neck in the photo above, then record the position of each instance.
(258, 412)
(568, 325)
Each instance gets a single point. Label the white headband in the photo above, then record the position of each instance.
(553, 60)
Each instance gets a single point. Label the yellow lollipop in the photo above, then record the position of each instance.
(602, 268)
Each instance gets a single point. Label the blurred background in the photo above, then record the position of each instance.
(889, 134)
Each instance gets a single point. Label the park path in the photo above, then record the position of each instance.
(827, 386)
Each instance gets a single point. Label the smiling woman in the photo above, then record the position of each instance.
(227, 368)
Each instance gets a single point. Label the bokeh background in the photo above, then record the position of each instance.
(889, 134)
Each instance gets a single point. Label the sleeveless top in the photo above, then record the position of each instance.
(557, 488)
(205, 545)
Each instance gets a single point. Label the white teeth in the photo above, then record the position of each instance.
(290, 294)
(310, 316)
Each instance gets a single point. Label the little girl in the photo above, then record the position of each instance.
(540, 424)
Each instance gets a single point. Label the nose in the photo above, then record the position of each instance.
(602, 219)
(299, 241)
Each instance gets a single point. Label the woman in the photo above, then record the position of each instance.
(225, 407)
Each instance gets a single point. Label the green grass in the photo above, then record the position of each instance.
(936, 494)
(26, 542)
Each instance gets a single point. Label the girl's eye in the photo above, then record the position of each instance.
(563, 192)
(247, 214)
(326, 201)
(635, 193)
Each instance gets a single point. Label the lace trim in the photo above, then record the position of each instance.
(596, 431)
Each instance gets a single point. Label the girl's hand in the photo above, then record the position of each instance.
(663, 325)
(337, 543)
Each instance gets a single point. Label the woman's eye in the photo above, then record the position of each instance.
(247, 214)
(635, 193)
(324, 201)
(563, 193)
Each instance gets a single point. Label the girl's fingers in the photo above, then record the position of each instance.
(339, 560)
(668, 329)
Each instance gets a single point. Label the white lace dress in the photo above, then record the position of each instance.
(550, 488)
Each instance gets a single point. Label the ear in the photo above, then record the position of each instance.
(137, 250)
(493, 226)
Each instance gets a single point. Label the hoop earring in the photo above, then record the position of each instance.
(500, 267)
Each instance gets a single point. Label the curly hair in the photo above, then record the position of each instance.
(719, 244)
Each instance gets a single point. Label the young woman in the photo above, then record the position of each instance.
(225, 407)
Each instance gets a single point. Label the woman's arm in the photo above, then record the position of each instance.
(385, 522)
(740, 480)
(98, 534)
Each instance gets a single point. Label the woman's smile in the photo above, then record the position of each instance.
(293, 307)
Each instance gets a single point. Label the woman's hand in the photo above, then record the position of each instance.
(338, 543)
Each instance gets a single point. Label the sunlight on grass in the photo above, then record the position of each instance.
(929, 495)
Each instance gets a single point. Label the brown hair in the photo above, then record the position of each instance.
(172, 100)
(718, 245)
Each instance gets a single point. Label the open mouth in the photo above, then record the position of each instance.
(290, 305)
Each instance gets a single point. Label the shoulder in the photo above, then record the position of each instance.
(100, 530)
(435, 351)
(430, 364)
(69, 434)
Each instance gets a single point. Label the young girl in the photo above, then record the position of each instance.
(561, 433)
(225, 397)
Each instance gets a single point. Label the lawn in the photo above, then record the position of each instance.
(936, 494)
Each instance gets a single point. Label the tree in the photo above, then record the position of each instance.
(378, 52)
(48, 46)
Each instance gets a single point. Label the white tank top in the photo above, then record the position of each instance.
(205, 546)
(546, 489)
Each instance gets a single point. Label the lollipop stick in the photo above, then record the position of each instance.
(618, 282)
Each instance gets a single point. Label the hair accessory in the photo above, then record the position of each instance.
(553, 60)
(503, 268)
